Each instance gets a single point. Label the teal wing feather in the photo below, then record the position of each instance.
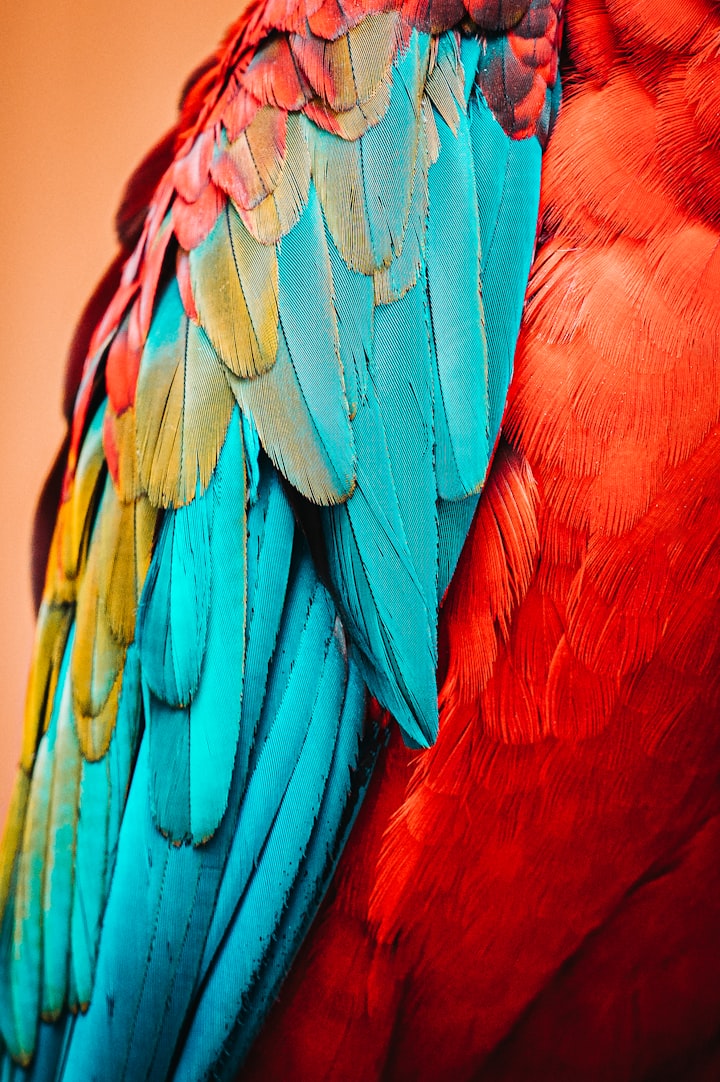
(193, 903)
(318, 323)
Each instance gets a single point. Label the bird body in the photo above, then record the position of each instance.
(289, 517)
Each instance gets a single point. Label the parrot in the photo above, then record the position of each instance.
(371, 729)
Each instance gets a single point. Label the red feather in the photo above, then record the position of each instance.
(537, 895)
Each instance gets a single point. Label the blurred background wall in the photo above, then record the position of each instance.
(85, 89)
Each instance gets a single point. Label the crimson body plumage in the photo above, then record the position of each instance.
(304, 512)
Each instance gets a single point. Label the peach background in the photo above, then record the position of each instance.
(86, 88)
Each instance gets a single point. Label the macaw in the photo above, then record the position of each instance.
(371, 730)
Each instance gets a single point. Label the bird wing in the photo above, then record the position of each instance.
(306, 351)
(536, 896)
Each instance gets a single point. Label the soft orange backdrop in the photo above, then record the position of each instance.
(85, 89)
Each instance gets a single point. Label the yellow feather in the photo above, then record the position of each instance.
(365, 185)
(287, 431)
(57, 884)
(95, 730)
(372, 45)
(123, 429)
(431, 132)
(337, 173)
(76, 528)
(60, 587)
(26, 954)
(353, 123)
(258, 155)
(12, 835)
(96, 665)
(125, 538)
(347, 71)
(445, 87)
(183, 407)
(280, 210)
(53, 627)
(235, 284)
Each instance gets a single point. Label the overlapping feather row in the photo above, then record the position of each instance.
(303, 259)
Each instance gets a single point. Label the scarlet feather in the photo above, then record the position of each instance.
(533, 897)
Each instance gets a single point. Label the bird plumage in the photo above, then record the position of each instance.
(299, 322)
(535, 896)
(278, 461)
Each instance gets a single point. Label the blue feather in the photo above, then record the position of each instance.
(275, 761)
(172, 913)
(456, 311)
(173, 614)
(270, 531)
(385, 602)
(25, 948)
(199, 739)
(57, 888)
(105, 1034)
(307, 318)
(321, 857)
(389, 151)
(355, 310)
(401, 376)
(507, 179)
(273, 846)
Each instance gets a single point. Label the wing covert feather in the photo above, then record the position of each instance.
(318, 298)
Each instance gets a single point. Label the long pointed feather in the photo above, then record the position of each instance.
(307, 315)
(507, 178)
(199, 738)
(265, 897)
(59, 869)
(453, 269)
(173, 618)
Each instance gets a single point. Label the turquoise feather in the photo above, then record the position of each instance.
(307, 318)
(383, 597)
(57, 888)
(389, 151)
(270, 525)
(266, 895)
(299, 593)
(173, 616)
(192, 896)
(393, 281)
(205, 565)
(215, 711)
(275, 756)
(354, 305)
(25, 956)
(401, 377)
(336, 340)
(454, 521)
(507, 179)
(103, 791)
(93, 866)
(456, 312)
(319, 862)
(105, 1032)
